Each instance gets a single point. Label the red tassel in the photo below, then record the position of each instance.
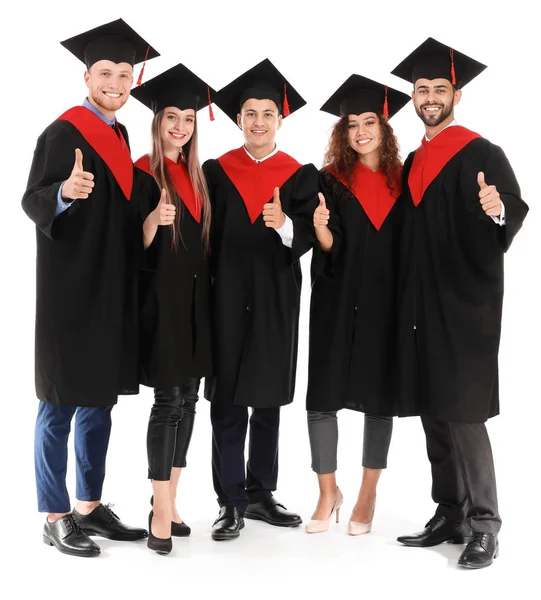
(453, 76)
(140, 78)
(385, 105)
(211, 114)
(286, 111)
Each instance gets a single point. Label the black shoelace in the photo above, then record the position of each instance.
(112, 515)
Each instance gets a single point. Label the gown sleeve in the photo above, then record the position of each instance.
(323, 262)
(303, 204)
(498, 172)
(52, 164)
(147, 198)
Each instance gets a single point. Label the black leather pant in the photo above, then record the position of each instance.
(170, 428)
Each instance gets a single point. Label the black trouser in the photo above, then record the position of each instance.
(170, 428)
(234, 485)
(463, 478)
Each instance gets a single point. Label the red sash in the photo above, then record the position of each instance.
(255, 182)
(371, 190)
(431, 157)
(181, 182)
(111, 148)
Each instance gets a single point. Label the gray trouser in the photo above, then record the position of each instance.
(463, 477)
(323, 434)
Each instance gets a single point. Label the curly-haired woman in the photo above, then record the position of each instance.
(352, 324)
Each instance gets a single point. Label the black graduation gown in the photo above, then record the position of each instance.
(352, 360)
(87, 263)
(175, 315)
(255, 296)
(451, 286)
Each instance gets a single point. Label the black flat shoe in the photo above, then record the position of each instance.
(177, 529)
(480, 552)
(103, 521)
(273, 513)
(66, 536)
(159, 545)
(437, 531)
(228, 524)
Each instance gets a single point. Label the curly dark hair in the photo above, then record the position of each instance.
(340, 157)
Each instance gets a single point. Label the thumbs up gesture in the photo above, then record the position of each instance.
(272, 212)
(163, 214)
(322, 213)
(80, 182)
(489, 197)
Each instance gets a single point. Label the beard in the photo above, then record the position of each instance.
(434, 120)
(105, 103)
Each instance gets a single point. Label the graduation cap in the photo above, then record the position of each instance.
(434, 60)
(263, 82)
(359, 94)
(178, 86)
(115, 41)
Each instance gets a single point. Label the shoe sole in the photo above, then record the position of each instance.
(223, 537)
(48, 542)
(115, 538)
(457, 540)
(256, 517)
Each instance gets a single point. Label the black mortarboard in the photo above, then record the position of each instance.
(177, 86)
(359, 94)
(115, 41)
(434, 60)
(263, 82)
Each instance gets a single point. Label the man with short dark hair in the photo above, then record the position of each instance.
(263, 201)
(462, 210)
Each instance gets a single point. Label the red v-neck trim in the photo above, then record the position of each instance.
(255, 182)
(181, 182)
(371, 190)
(431, 157)
(112, 149)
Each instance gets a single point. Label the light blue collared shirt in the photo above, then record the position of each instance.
(61, 205)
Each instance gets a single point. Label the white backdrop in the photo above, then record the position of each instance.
(317, 46)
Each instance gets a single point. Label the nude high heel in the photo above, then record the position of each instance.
(356, 528)
(318, 525)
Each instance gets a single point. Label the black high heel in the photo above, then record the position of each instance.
(159, 545)
(177, 529)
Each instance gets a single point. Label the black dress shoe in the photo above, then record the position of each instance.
(480, 552)
(177, 529)
(228, 525)
(273, 513)
(437, 531)
(159, 545)
(68, 538)
(103, 521)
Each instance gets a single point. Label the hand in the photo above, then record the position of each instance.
(80, 183)
(489, 197)
(163, 214)
(272, 212)
(321, 214)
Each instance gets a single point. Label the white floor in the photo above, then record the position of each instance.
(269, 562)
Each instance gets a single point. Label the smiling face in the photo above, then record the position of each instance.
(109, 85)
(176, 128)
(434, 101)
(259, 121)
(364, 134)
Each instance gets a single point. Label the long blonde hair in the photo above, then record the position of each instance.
(159, 171)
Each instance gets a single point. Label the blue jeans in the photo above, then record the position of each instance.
(92, 431)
